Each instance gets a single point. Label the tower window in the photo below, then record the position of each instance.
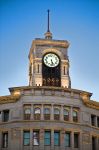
(38, 68)
(35, 137)
(37, 113)
(76, 140)
(67, 139)
(46, 113)
(64, 70)
(56, 138)
(5, 140)
(66, 115)
(26, 138)
(47, 138)
(6, 115)
(56, 114)
(27, 113)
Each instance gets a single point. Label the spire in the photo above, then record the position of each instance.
(48, 34)
(48, 30)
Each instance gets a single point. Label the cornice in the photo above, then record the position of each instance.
(41, 42)
(17, 91)
(9, 99)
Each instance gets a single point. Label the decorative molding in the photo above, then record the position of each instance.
(9, 99)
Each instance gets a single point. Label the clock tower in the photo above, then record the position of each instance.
(49, 62)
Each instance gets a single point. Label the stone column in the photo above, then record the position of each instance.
(52, 112)
(96, 121)
(80, 140)
(42, 114)
(41, 139)
(71, 114)
(31, 139)
(32, 112)
(72, 140)
(21, 140)
(52, 139)
(62, 140)
(61, 113)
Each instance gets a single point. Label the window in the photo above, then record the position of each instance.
(76, 140)
(75, 116)
(93, 143)
(26, 138)
(38, 68)
(5, 140)
(47, 138)
(67, 139)
(56, 114)
(93, 120)
(6, 115)
(46, 113)
(56, 138)
(97, 121)
(35, 137)
(27, 113)
(37, 113)
(64, 70)
(66, 115)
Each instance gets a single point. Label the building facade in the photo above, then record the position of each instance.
(48, 114)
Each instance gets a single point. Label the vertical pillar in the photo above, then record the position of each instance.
(32, 113)
(61, 113)
(41, 139)
(31, 144)
(72, 140)
(71, 114)
(21, 140)
(42, 114)
(80, 140)
(96, 121)
(52, 112)
(52, 139)
(62, 140)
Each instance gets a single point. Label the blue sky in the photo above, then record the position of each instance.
(74, 20)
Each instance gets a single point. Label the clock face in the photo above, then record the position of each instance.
(51, 60)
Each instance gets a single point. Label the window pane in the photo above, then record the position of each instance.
(27, 111)
(5, 140)
(56, 111)
(47, 138)
(74, 114)
(67, 139)
(56, 138)
(66, 112)
(46, 111)
(26, 142)
(37, 111)
(36, 138)
(76, 140)
(6, 115)
(26, 137)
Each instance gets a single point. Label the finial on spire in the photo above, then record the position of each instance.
(48, 34)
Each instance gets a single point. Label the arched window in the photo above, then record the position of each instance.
(56, 114)
(66, 115)
(37, 113)
(27, 113)
(75, 116)
(46, 113)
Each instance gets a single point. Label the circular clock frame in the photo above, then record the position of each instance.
(51, 60)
